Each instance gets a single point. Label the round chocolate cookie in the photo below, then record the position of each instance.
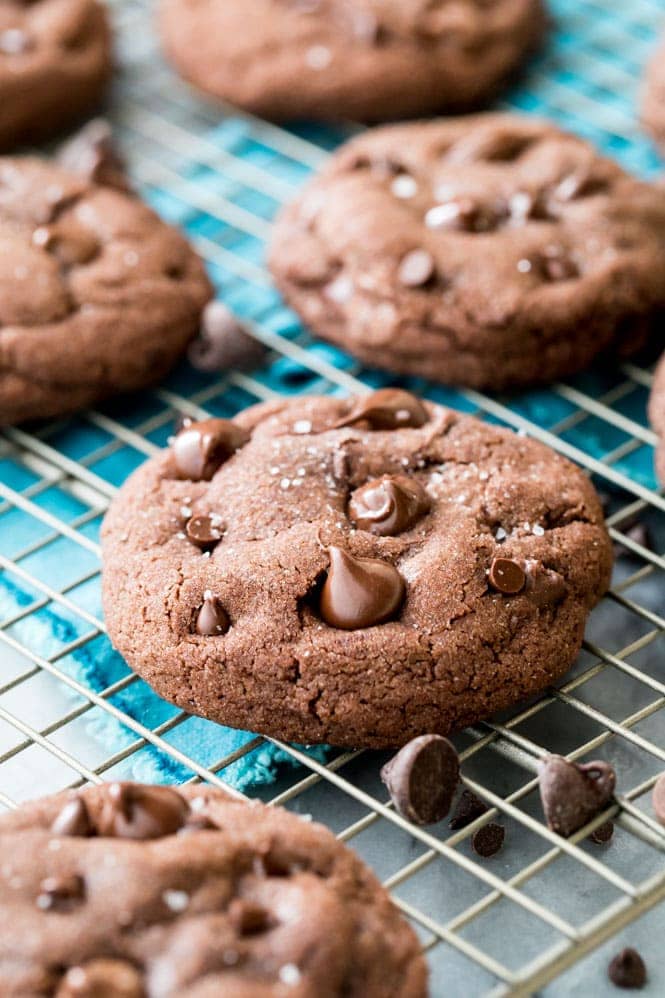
(353, 572)
(368, 60)
(55, 61)
(653, 97)
(657, 416)
(491, 251)
(97, 294)
(137, 891)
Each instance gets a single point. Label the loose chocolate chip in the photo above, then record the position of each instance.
(73, 819)
(422, 778)
(102, 978)
(205, 531)
(15, 41)
(132, 811)
(201, 448)
(388, 505)
(360, 592)
(211, 619)
(544, 586)
(224, 342)
(416, 268)
(387, 409)
(627, 970)
(91, 154)
(61, 893)
(488, 840)
(247, 917)
(658, 799)
(603, 833)
(507, 576)
(469, 807)
(573, 794)
(637, 532)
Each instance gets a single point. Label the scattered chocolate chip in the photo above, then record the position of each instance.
(73, 819)
(416, 268)
(387, 409)
(224, 342)
(422, 778)
(211, 619)
(201, 448)
(388, 505)
(131, 811)
(627, 970)
(603, 833)
(658, 799)
(639, 533)
(247, 917)
(15, 41)
(91, 154)
(205, 530)
(469, 807)
(360, 592)
(507, 576)
(544, 586)
(61, 893)
(488, 840)
(572, 794)
(102, 978)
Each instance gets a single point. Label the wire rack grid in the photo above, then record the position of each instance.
(70, 710)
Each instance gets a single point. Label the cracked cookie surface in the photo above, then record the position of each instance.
(279, 593)
(97, 294)
(55, 61)
(492, 251)
(162, 892)
(369, 60)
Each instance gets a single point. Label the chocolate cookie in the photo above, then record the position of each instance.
(97, 295)
(134, 891)
(657, 415)
(491, 251)
(55, 61)
(353, 572)
(369, 60)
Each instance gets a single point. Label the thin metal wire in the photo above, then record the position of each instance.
(166, 135)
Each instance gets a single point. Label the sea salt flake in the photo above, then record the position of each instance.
(404, 186)
(176, 900)
(318, 57)
(302, 426)
(289, 974)
(538, 530)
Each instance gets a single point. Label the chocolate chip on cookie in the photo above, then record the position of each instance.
(422, 778)
(55, 62)
(573, 793)
(92, 155)
(97, 294)
(348, 600)
(140, 909)
(477, 255)
(360, 60)
(360, 592)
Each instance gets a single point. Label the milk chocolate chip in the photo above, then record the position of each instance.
(201, 448)
(387, 409)
(422, 778)
(131, 811)
(388, 505)
(507, 576)
(573, 793)
(212, 618)
(73, 819)
(360, 592)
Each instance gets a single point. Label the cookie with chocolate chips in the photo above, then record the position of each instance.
(171, 892)
(364, 60)
(55, 62)
(97, 294)
(492, 251)
(381, 568)
(657, 416)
